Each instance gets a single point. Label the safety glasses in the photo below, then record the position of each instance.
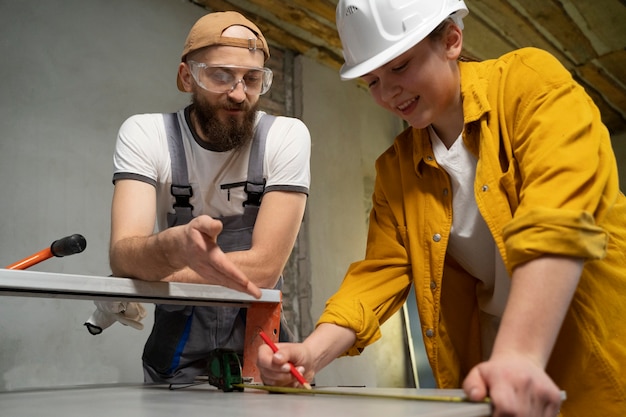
(225, 78)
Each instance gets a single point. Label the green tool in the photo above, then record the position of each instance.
(224, 370)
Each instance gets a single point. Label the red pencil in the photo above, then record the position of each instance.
(293, 369)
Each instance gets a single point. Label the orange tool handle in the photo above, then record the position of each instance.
(63, 247)
(33, 259)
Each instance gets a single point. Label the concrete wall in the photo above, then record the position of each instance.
(71, 71)
(348, 132)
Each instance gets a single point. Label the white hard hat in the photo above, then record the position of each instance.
(373, 32)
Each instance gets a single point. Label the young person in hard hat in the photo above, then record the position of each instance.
(500, 204)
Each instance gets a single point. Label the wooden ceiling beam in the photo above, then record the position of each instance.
(278, 35)
(552, 19)
(586, 39)
(302, 20)
(322, 8)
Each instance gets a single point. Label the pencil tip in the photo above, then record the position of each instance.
(307, 386)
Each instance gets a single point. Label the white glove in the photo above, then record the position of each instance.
(108, 312)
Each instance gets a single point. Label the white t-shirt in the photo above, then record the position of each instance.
(142, 153)
(471, 243)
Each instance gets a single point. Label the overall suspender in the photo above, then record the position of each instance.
(183, 336)
(180, 188)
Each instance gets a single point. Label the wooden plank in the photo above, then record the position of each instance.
(614, 64)
(612, 118)
(323, 8)
(280, 36)
(500, 28)
(610, 91)
(602, 21)
(574, 31)
(550, 17)
(302, 21)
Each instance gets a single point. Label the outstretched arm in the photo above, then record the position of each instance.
(186, 253)
(275, 232)
(190, 253)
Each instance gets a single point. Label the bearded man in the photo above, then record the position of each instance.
(218, 225)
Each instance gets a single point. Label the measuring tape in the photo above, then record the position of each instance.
(359, 392)
(224, 372)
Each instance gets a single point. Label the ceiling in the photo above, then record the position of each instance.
(588, 37)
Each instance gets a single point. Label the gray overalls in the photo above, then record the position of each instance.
(182, 336)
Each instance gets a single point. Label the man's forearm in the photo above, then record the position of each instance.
(150, 258)
(257, 267)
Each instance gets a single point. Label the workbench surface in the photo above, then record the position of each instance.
(205, 400)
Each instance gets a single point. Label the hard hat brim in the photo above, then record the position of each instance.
(348, 72)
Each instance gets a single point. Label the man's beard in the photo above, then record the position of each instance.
(223, 136)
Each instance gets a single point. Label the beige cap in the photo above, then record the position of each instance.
(207, 31)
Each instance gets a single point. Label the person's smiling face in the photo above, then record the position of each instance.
(422, 85)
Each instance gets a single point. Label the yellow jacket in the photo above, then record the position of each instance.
(546, 183)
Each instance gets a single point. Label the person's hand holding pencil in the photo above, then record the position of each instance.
(292, 368)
